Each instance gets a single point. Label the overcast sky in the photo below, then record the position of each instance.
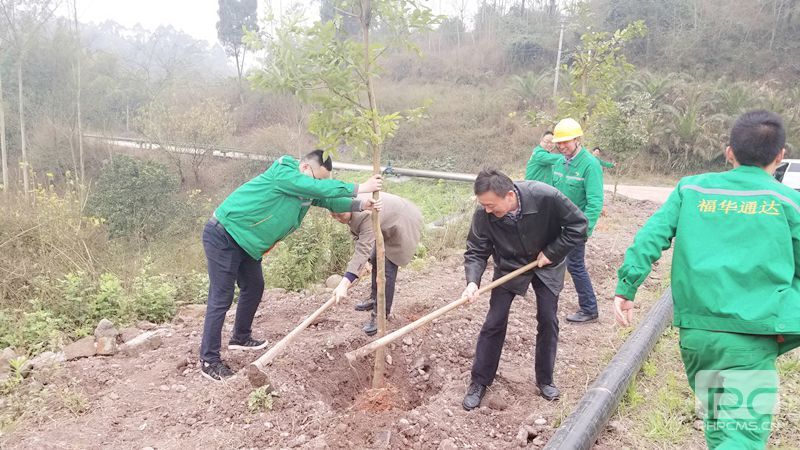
(197, 18)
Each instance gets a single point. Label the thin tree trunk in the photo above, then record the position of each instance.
(3, 149)
(380, 255)
(78, 96)
(25, 169)
(70, 137)
(239, 69)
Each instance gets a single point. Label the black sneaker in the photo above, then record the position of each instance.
(216, 371)
(247, 344)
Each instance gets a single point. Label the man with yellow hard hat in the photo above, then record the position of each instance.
(580, 178)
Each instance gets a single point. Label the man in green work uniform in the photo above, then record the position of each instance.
(604, 164)
(735, 280)
(540, 165)
(247, 225)
(579, 177)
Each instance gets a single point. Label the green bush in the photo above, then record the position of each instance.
(191, 288)
(319, 248)
(153, 299)
(40, 330)
(134, 197)
(70, 308)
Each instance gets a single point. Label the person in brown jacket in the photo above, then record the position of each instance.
(401, 224)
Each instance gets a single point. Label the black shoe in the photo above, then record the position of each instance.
(247, 344)
(582, 317)
(216, 371)
(549, 392)
(371, 327)
(366, 305)
(474, 396)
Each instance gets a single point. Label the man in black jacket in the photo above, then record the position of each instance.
(516, 224)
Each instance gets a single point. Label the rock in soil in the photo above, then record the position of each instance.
(149, 340)
(82, 348)
(382, 439)
(126, 334)
(42, 360)
(448, 444)
(145, 325)
(105, 338)
(496, 402)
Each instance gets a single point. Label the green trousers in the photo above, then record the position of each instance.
(734, 378)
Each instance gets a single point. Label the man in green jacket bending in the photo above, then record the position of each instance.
(735, 280)
(246, 226)
(540, 165)
(579, 177)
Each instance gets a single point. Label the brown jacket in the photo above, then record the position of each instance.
(401, 224)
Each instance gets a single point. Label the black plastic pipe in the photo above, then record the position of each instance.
(581, 429)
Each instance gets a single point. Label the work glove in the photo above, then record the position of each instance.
(341, 290)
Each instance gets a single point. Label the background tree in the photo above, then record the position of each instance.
(24, 20)
(3, 149)
(235, 18)
(78, 117)
(597, 69)
(186, 131)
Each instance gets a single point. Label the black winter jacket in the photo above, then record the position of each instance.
(550, 223)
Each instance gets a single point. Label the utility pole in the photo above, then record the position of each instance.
(558, 58)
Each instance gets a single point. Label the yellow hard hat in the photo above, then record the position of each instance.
(567, 130)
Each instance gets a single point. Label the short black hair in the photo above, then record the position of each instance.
(757, 137)
(546, 133)
(493, 180)
(596, 148)
(318, 156)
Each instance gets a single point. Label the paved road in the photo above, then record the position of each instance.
(652, 193)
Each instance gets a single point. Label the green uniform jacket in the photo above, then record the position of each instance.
(606, 164)
(581, 180)
(272, 205)
(736, 265)
(540, 166)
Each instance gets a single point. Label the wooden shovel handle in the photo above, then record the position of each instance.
(393, 336)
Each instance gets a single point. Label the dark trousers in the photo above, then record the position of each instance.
(228, 264)
(576, 265)
(391, 276)
(493, 334)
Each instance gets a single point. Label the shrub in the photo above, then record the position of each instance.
(153, 299)
(71, 307)
(134, 197)
(46, 237)
(191, 288)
